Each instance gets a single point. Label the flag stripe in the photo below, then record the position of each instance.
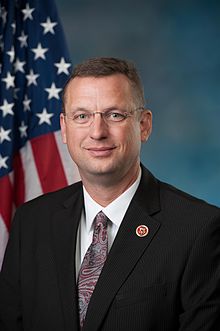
(49, 165)
(6, 194)
(3, 238)
(19, 189)
(31, 179)
(72, 173)
(33, 70)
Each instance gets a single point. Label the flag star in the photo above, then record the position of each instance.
(48, 26)
(18, 65)
(32, 78)
(3, 162)
(23, 130)
(11, 53)
(27, 12)
(44, 117)
(39, 52)
(4, 135)
(53, 91)
(62, 66)
(7, 108)
(26, 103)
(23, 39)
(9, 80)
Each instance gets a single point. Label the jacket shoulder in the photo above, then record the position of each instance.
(170, 200)
(183, 210)
(53, 199)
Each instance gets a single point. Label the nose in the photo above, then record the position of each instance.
(98, 127)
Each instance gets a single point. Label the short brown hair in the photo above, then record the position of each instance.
(107, 66)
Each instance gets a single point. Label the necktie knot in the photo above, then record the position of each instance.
(100, 222)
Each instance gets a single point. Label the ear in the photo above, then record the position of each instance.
(145, 124)
(63, 127)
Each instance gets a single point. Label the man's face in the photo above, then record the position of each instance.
(102, 150)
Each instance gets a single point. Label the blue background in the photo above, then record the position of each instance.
(176, 47)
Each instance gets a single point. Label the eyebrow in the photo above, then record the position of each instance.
(90, 111)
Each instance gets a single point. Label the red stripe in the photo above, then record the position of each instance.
(6, 194)
(48, 163)
(19, 186)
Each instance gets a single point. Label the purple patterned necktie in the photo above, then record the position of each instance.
(92, 264)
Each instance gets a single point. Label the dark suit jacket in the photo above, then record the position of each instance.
(167, 280)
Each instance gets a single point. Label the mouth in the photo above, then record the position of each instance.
(101, 151)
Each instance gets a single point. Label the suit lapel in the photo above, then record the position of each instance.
(126, 251)
(64, 233)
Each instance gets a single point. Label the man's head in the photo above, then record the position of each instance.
(104, 122)
(108, 66)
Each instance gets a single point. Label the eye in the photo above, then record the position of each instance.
(81, 117)
(115, 116)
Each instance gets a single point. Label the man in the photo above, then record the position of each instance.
(153, 261)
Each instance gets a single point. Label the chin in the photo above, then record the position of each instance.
(102, 170)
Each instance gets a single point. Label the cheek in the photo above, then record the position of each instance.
(73, 147)
(134, 134)
(130, 139)
(70, 138)
(135, 139)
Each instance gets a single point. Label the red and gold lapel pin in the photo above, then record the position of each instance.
(142, 231)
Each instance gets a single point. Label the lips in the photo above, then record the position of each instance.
(100, 151)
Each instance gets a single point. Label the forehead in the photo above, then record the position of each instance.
(98, 89)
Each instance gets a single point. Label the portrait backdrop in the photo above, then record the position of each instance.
(176, 47)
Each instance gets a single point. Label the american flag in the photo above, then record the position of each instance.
(34, 65)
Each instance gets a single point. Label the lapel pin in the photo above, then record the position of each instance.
(142, 231)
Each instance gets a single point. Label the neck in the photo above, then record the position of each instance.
(104, 192)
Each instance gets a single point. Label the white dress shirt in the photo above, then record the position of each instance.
(115, 211)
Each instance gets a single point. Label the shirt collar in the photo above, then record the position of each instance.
(115, 211)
